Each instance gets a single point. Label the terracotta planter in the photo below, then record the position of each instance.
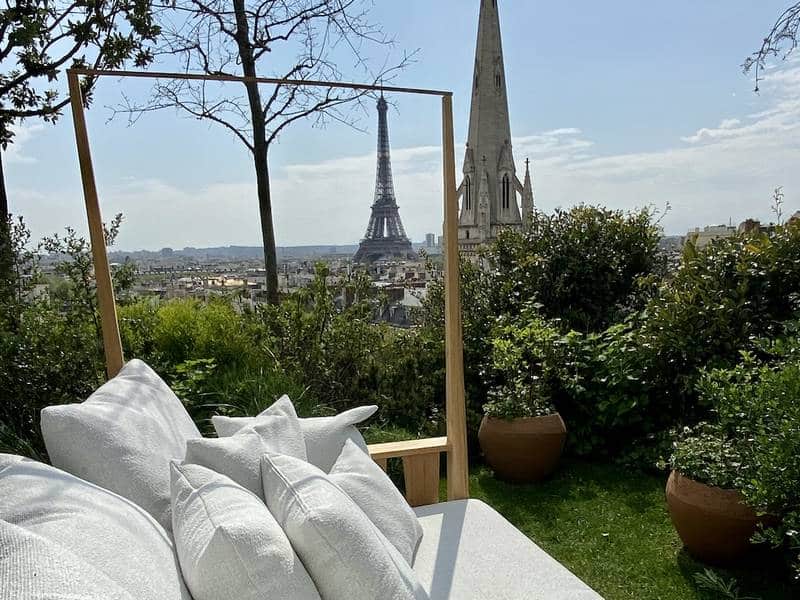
(714, 523)
(523, 450)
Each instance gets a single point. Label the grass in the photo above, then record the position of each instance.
(610, 526)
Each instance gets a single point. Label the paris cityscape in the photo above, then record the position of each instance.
(380, 300)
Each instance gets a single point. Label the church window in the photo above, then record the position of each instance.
(497, 80)
(467, 233)
(468, 193)
(506, 192)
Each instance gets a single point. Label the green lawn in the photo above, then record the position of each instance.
(610, 526)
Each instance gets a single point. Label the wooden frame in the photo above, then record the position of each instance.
(420, 457)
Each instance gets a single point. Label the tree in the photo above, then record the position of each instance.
(38, 40)
(288, 39)
(781, 40)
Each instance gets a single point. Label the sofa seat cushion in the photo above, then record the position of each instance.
(101, 530)
(470, 552)
(34, 568)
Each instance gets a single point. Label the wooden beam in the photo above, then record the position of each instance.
(421, 473)
(408, 448)
(266, 80)
(112, 343)
(455, 406)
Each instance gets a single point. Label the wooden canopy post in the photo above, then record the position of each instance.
(455, 405)
(112, 343)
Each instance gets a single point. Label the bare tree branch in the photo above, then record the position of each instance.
(780, 41)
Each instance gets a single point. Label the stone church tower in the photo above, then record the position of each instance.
(491, 192)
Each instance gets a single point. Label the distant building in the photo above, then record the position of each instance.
(430, 240)
(755, 226)
(703, 237)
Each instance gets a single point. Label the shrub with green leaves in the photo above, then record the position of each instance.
(722, 298)
(50, 348)
(588, 266)
(752, 444)
(521, 368)
(604, 392)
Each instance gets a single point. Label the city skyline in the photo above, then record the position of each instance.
(629, 134)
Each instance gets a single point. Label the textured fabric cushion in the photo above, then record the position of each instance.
(470, 552)
(372, 490)
(345, 554)
(239, 456)
(324, 436)
(33, 568)
(101, 529)
(229, 544)
(123, 437)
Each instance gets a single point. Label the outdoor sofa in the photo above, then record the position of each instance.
(108, 523)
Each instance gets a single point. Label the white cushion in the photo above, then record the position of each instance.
(33, 568)
(372, 490)
(324, 436)
(101, 529)
(239, 456)
(470, 552)
(345, 554)
(229, 544)
(123, 437)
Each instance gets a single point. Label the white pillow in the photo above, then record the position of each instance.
(372, 490)
(239, 456)
(33, 568)
(345, 554)
(107, 532)
(229, 544)
(123, 437)
(324, 436)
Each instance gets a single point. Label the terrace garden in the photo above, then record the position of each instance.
(654, 362)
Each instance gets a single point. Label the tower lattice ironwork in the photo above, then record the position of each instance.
(385, 236)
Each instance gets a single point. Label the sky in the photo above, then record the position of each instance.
(624, 103)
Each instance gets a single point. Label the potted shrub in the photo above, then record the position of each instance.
(737, 478)
(707, 509)
(521, 435)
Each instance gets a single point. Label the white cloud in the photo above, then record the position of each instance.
(22, 134)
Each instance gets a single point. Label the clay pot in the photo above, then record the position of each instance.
(714, 523)
(523, 450)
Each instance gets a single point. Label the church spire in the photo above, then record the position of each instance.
(527, 196)
(489, 136)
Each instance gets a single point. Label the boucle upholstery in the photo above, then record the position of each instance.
(123, 437)
(230, 546)
(374, 493)
(324, 436)
(345, 554)
(101, 529)
(470, 552)
(33, 568)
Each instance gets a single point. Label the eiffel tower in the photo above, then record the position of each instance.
(385, 236)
